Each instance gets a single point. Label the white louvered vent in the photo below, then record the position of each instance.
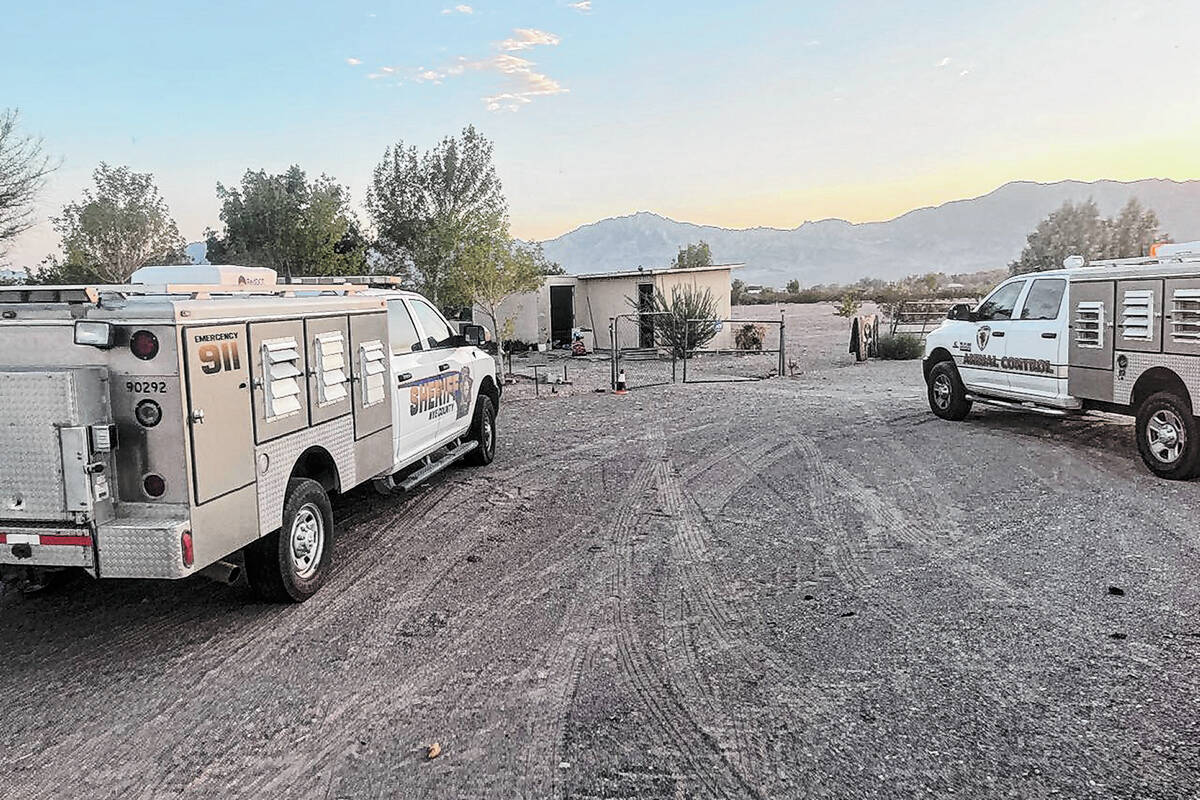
(281, 368)
(329, 350)
(1137, 314)
(1185, 315)
(1089, 324)
(373, 366)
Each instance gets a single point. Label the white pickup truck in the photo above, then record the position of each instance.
(153, 429)
(1117, 336)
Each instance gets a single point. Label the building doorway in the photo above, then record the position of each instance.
(645, 310)
(562, 314)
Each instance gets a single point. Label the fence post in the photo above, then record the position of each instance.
(782, 356)
(612, 353)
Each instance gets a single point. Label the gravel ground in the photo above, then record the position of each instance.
(800, 587)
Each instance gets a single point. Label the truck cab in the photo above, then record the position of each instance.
(1012, 347)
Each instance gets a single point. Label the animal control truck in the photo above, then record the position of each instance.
(1117, 336)
(152, 430)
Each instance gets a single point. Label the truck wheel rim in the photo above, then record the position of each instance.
(487, 434)
(1165, 435)
(941, 391)
(307, 541)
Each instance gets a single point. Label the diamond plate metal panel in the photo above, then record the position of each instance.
(32, 406)
(48, 555)
(279, 456)
(1186, 367)
(142, 547)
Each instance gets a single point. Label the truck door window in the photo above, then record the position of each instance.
(1002, 302)
(401, 329)
(1045, 299)
(437, 332)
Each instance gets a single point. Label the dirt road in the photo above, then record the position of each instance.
(802, 587)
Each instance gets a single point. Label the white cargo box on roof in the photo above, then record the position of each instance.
(205, 274)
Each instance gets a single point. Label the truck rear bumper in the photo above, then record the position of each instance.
(140, 545)
(25, 546)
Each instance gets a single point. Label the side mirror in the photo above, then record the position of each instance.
(960, 311)
(474, 335)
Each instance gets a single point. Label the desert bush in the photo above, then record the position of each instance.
(900, 347)
(687, 320)
(750, 337)
(848, 305)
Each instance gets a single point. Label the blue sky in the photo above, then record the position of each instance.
(727, 113)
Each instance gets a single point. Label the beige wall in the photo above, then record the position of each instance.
(598, 299)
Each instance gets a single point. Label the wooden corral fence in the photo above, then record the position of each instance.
(919, 317)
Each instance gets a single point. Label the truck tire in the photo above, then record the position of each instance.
(1168, 437)
(947, 395)
(483, 430)
(292, 563)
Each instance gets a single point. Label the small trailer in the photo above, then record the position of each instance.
(1119, 336)
(151, 430)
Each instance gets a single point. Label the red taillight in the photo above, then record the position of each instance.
(154, 485)
(144, 345)
(185, 547)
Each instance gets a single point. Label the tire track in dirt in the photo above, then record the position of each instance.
(710, 769)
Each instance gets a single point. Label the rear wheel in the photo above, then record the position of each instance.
(947, 395)
(483, 430)
(292, 563)
(1168, 437)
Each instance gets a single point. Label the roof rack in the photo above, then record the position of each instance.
(372, 281)
(82, 294)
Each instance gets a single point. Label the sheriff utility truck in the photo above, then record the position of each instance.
(151, 430)
(1118, 336)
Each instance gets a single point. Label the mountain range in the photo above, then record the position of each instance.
(981, 233)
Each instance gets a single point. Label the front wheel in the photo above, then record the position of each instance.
(1168, 437)
(947, 395)
(483, 430)
(292, 563)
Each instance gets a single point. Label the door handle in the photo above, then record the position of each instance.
(404, 376)
(1049, 335)
(443, 367)
(997, 333)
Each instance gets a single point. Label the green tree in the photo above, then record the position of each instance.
(290, 224)
(124, 224)
(848, 305)
(491, 270)
(23, 171)
(1078, 229)
(430, 209)
(737, 292)
(793, 287)
(692, 256)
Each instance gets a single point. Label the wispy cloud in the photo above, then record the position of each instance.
(459, 9)
(526, 38)
(354, 62)
(945, 62)
(964, 73)
(521, 83)
(583, 6)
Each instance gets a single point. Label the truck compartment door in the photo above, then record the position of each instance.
(1181, 331)
(278, 378)
(371, 379)
(1091, 325)
(1139, 311)
(328, 368)
(218, 402)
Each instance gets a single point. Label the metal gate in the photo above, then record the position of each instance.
(620, 354)
(689, 354)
